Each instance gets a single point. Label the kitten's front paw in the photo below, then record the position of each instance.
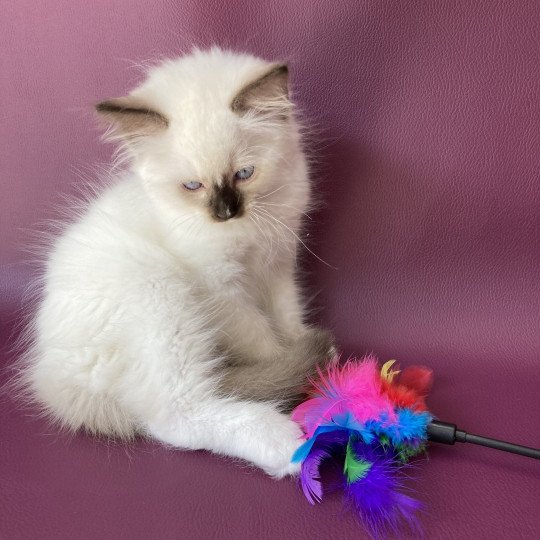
(289, 469)
(281, 446)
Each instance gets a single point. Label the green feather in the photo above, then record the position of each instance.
(406, 452)
(354, 469)
(384, 441)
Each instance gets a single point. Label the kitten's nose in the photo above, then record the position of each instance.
(226, 213)
(226, 203)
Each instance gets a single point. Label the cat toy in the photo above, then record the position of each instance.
(373, 420)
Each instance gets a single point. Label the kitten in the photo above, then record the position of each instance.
(170, 307)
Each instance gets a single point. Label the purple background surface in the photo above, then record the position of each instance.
(426, 135)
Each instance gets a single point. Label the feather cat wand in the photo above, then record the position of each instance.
(374, 420)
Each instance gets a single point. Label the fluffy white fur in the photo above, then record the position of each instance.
(144, 295)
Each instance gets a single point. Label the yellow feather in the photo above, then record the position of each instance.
(387, 372)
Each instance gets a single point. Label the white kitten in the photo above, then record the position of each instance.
(170, 307)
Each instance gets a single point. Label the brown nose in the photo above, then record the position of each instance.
(223, 212)
(226, 203)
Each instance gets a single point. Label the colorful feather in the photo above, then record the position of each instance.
(354, 387)
(355, 468)
(310, 479)
(378, 498)
(375, 419)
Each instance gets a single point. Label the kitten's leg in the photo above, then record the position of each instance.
(250, 332)
(284, 376)
(265, 334)
(255, 432)
(289, 313)
(170, 389)
(285, 303)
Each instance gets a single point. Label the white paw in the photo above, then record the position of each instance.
(289, 469)
(283, 441)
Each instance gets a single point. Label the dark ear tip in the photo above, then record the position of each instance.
(106, 106)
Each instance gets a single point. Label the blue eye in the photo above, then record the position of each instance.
(193, 185)
(245, 173)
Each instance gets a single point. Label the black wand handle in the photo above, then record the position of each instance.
(446, 433)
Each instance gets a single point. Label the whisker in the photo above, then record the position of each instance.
(271, 193)
(288, 206)
(253, 218)
(298, 238)
(286, 242)
(273, 225)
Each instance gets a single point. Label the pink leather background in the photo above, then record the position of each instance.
(426, 134)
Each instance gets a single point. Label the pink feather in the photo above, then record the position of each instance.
(354, 387)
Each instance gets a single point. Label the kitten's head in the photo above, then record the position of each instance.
(210, 134)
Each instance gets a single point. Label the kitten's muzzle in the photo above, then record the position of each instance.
(225, 212)
(226, 203)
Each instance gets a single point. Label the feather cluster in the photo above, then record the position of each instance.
(374, 419)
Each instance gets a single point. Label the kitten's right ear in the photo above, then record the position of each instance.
(268, 92)
(129, 117)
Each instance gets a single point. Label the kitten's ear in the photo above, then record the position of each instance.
(129, 117)
(269, 92)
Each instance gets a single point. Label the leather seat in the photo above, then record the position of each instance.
(426, 149)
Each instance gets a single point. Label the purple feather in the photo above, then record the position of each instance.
(309, 476)
(322, 449)
(377, 497)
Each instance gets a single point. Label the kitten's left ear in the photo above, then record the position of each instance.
(129, 117)
(266, 93)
